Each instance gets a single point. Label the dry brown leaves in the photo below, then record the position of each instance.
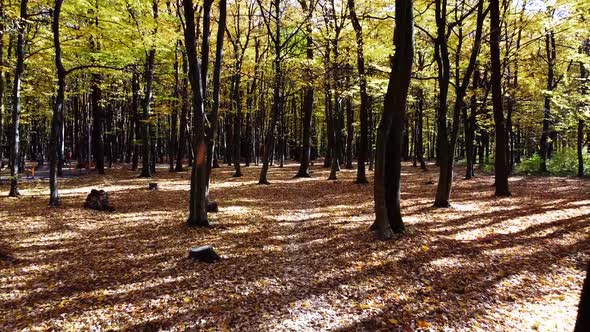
(297, 255)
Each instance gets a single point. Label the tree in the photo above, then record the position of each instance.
(308, 95)
(363, 115)
(446, 142)
(221, 25)
(500, 167)
(16, 100)
(388, 218)
(198, 198)
(583, 320)
(2, 83)
(239, 47)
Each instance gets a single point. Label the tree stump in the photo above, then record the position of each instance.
(204, 254)
(98, 200)
(212, 207)
(153, 186)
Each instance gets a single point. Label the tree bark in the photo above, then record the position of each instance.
(198, 199)
(182, 131)
(307, 100)
(57, 118)
(446, 142)
(501, 170)
(136, 123)
(545, 147)
(16, 100)
(146, 138)
(2, 85)
(389, 142)
(277, 97)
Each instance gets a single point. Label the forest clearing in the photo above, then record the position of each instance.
(296, 255)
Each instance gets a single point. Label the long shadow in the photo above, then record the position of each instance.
(130, 263)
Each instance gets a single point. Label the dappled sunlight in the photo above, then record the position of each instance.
(296, 254)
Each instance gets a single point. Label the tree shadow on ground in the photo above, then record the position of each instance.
(297, 254)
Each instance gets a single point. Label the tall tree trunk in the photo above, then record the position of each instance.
(2, 85)
(501, 170)
(237, 106)
(57, 118)
(446, 142)
(136, 123)
(183, 116)
(363, 114)
(388, 218)
(580, 147)
(277, 97)
(173, 142)
(419, 130)
(581, 123)
(307, 100)
(147, 165)
(445, 152)
(547, 121)
(16, 100)
(146, 146)
(469, 127)
(198, 192)
(214, 121)
(349, 119)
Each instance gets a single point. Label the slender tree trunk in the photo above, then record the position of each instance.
(147, 165)
(580, 147)
(307, 101)
(447, 143)
(57, 118)
(198, 193)
(173, 143)
(277, 97)
(183, 116)
(214, 121)
(469, 127)
(363, 152)
(547, 122)
(146, 146)
(97, 123)
(349, 130)
(2, 85)
(496, 82)
(237, 105)
(581, 123)
(419, 130)
(135, 110)
(16, 100)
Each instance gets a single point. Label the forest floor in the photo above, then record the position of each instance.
(297, 255)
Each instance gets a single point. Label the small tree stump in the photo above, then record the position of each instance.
(204, 254)
(212, 207)
(153, 186)
(98, 200)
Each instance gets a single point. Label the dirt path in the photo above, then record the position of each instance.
(297, 256)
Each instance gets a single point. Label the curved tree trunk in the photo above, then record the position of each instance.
(388, 218)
